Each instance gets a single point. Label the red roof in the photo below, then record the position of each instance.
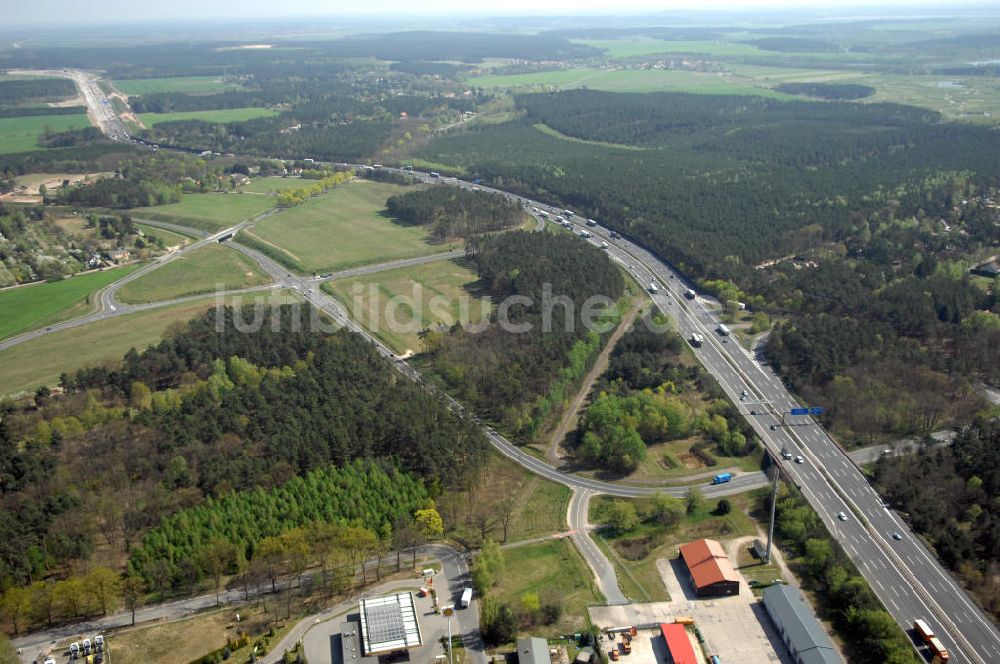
(708, 563)
(678, 643)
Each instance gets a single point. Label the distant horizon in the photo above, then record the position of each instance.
(54, 15)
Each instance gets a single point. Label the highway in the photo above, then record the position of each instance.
(906, 577)
(903, 573)
(99, 108)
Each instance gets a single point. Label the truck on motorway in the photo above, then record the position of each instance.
(722, 329)
(939, 654)
(696, 339)
(722, 478)
(568, 213)
(585, 234)
(689, 294)
(591, 222)
(653, 288)
(466, 598)
(435, 175)
(604, 245)
(543, 214)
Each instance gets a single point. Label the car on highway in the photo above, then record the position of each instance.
(786, 455)
(774, 427)
(799, 459)
(841, 516)
(897, 536)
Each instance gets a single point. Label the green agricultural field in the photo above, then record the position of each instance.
(30, 307)
(222, 115)
(632, 80)
(21, 134)
(208, 211)
(200, 271)
(630, 48)
(555, 571)
(271, 185)
(41, 361)
(396, 305)
(188, 84)
(341, 229)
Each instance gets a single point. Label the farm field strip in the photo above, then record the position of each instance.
(30, 307)
(220, 115)
(20, 134)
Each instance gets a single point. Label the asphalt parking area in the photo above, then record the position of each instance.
(736, 628)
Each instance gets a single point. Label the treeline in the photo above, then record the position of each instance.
(178, 102)
(870, 634)
(832, 91)
(360, 493)
(220, 405)
(328, 141)
(119, 193)
(70, 138)
(949, 494)
(298, 196)
(454, 212)
(24, 92)
(24, 112)
(515, 372)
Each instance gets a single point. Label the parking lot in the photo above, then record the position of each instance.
(89, 649)
(735, 628)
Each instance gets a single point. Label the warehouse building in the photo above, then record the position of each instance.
(711, 572)
(678, 644)
(799, 629)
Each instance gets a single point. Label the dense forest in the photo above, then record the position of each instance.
(220, 405)
(516, 371)
(794, 173)
(949, 493)
(875, 211)
(651, 393)
(452, 212)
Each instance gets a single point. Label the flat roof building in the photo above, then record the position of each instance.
(711, 571)
(388, 624)
(678, 644)
(350, 644)
(533, 650)
(800, 630)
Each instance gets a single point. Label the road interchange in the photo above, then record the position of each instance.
(904, 574)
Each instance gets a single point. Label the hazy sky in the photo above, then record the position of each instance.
(21, 12)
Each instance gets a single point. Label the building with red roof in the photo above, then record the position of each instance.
(711, 571)
(678, 644)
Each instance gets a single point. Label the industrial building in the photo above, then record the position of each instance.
(533, 650)
(678, 644)
(799, 629)
(711, 571)
(388, 624)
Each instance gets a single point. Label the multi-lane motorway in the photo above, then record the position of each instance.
(903, 573)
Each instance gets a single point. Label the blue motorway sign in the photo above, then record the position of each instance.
(800, 411)
(815, 410)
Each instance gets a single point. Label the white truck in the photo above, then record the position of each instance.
(653, 288)
(466, 598)
(722, 329)
(696, 339)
